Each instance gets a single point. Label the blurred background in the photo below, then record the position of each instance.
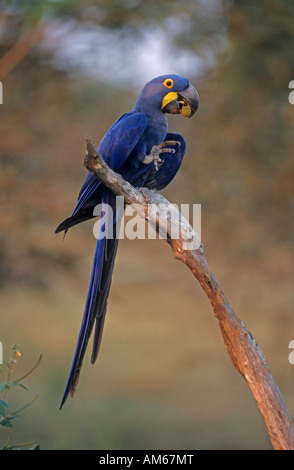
(163, 379)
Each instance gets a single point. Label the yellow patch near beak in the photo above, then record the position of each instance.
(172, 95)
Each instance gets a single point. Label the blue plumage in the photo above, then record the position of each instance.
(126, 148)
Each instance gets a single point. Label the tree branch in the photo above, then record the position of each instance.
(244, 352)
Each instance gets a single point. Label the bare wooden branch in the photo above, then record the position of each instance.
(243, 350)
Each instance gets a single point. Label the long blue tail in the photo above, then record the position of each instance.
(95, 307)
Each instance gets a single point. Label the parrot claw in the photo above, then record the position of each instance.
(171, 142)
(156, 150)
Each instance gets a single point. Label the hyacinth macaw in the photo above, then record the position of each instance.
(139, 147)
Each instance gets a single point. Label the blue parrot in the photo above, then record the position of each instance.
(139, 147)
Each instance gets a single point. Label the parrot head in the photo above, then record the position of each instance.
(173, 94)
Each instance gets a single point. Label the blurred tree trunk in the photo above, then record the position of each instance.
(19, 51)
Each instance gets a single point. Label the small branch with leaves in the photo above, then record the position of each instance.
(6, 416)
(243, 350)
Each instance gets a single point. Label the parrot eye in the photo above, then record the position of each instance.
(168, 83)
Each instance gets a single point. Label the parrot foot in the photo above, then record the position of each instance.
(156, 150)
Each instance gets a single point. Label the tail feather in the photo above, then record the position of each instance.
(95, 310)
(103, 297)
(95, 307)
(75, 219)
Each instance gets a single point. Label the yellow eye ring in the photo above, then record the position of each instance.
(168, 83)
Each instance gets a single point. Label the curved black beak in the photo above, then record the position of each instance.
(186, 103)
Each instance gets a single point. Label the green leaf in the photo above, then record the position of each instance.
(3, 406)
(23, 447)
(16, 384)
(3, 373)
(24, 406)
(6, 422)
(35, 447)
